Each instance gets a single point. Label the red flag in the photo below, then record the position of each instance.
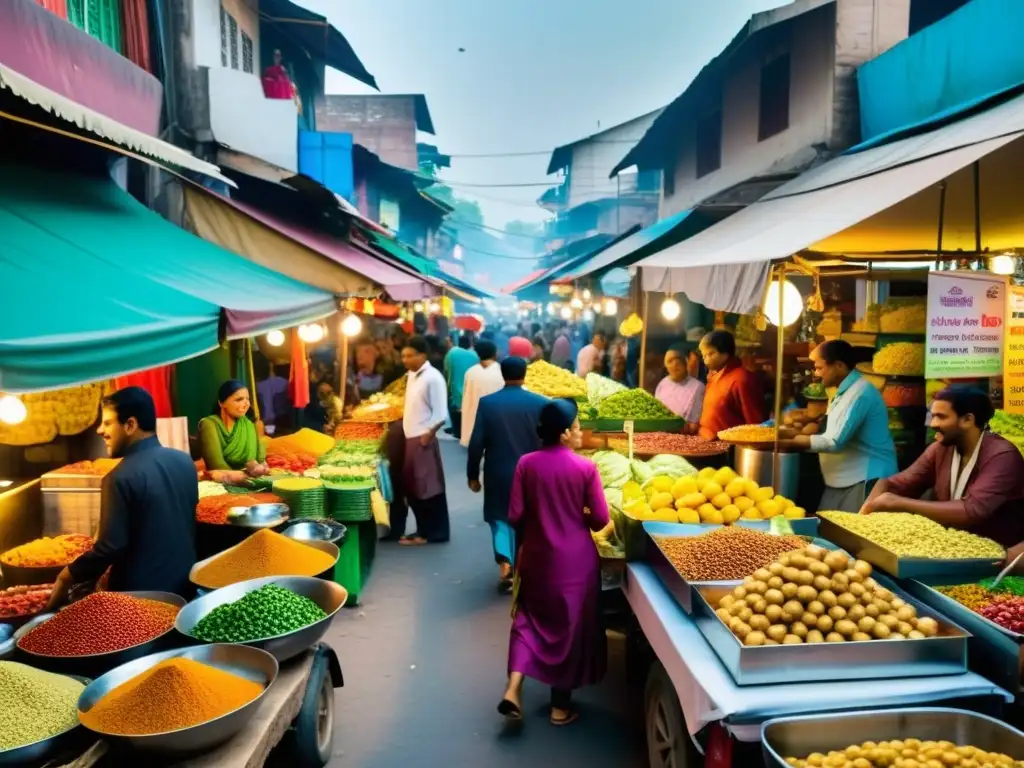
(298, 379)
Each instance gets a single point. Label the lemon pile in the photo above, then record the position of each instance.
(713, 496)
(551, 381)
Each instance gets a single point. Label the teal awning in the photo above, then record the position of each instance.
(95, 284)
(397, 250)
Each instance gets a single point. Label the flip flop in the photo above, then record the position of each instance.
(510, 710)
(412, 541)
(569, 719)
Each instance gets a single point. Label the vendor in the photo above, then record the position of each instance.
(977, 477)
(147, 523)
(334, 409)
(228, 437)
(733, 395)
(366, 380)
(678, 391)
(857, 448)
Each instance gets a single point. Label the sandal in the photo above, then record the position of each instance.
(510, 709)
(412, 541)
(570, 717)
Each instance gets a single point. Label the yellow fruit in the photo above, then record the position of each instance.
(743, 503)
(632, 504)
(711, 490)
(721, 501)
(752, 488)
(691, 501)
(640, 512)
(690, 516)
(665, 516)
(677, 490)
(706, 474)
(662, 483)
(783, 503)
(730, 513)
(751, 514)
(724, 476)
(632, 490)
(702, 483)
(762, 494)
(649, 491)
(795, 513)
(661, 500)
(684, 485)
(708, 514)
(768, 509)
(736, 487)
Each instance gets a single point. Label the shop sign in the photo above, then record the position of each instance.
(1013, 359)
(965, 325)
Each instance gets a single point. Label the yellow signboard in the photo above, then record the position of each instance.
(1013, 352)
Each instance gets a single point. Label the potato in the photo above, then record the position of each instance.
(834, 637)
(825, 623)
(837, 613)
(846, 600)
(794, 607)
(863, 568)
(927, 626)
(777, 632)
(816, 607)
(814, 636)
(774, 597)
(866, 624)
(742, 630)
(775, 582)
(837, 560)
(791, 574)
(906, 612)
(806, 594)
(881, 630)
(789, 589)
(754, 638)
(828, 598)
(745, 613)
(774, 613)
(860, 637)
(762, 574)
(846, 628)
(856, 613)
(854, 575)
(820, 569)
(724, 615)
(872, 611)
(805, 578)
(759, 623)
(799, 560)
(759, 606)
(752, 598)
(799, 629)
(776, 568)
(726, 601)
(840, 583)
(809, 619)
(792, 640)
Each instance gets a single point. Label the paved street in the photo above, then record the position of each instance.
(424, 662)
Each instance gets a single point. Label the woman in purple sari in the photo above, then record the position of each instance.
(556, 502)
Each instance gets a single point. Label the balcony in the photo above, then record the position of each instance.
(242, 118)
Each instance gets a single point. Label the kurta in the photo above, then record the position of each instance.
(556, 636)
(505, 430)
(479, 383)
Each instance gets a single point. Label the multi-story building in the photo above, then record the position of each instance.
(385, 124)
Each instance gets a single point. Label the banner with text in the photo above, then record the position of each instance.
(965, 325)
(1013, 359)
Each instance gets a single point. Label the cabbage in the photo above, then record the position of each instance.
(614, 498)
(613, 468)
(673, 466)
(600, 387)
(641, 471)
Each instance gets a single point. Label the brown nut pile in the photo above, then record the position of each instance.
(905, 752)
(816, 596)
(725, 554)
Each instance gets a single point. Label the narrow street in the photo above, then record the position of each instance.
(424, 662)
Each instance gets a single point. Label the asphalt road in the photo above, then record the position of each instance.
(424, 661)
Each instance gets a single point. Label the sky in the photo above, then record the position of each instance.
(535, 74)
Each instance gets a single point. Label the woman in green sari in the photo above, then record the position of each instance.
(228, 437)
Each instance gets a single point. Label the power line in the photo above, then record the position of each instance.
(538, 152)
(466, 223)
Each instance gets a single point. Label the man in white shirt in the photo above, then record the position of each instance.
(591, 356)
(426, 410)
(481, 380)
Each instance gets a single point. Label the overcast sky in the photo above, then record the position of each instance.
(535, 73)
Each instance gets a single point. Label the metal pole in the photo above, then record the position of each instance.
(643, 342)
(942, 222)
(780, 341)
(343, 367)
(977, 208)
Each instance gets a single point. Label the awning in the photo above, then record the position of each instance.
(394, 248)
(576, 253)
(883, 202)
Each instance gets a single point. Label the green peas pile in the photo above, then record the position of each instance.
(633, 404)
(265, 612)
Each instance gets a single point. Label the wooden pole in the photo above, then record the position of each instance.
(643, 341)
(780, 341)
(344, 369)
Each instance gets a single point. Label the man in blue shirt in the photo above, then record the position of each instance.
(856, 448)
(458, 360)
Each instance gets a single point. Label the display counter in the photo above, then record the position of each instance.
(21, 513)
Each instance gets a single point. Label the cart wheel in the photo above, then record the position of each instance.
(314, 726)
(668, 742)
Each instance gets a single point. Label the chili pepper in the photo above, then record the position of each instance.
(265, 612)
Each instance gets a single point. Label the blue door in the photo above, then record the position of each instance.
(327, 157)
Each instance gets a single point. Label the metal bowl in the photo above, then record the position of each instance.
(323, 546)
(19, 575)
(95, 663)
(328, 595)
(258, 515)
(38, 751)
(250, 663)
(316, 530)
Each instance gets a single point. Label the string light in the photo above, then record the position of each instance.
(566, 313)
(586, 294)
(670, 309)
(12, 410)
(417, 307)
(576, 303)
(275, 338)
(792, 303)
(611, 307)
(312, 334)
(351, 325)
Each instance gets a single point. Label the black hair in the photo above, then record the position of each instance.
(723, 341)
(486, 349)
(602, 334)
(133, 403)
(419, 344)
(556, 417)
(838, 351)
(466, 340)
(226, 390)
(966, 400)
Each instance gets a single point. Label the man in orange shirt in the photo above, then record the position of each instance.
(734, 395)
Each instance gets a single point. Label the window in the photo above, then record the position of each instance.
(233, 40)
(223, 37)
(709, 143)
(247, 63)
(774, 112)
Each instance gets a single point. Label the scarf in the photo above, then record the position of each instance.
(240, 445)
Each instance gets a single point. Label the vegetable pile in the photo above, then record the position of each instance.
(100, 623)
(304, 441)
(214, 509)
(903, 316)
(903, 358)
(903, 395)
(670, 443)
(174, 694)
(725, 554)
(19, 602)
(636, 404)
(906, 752)
(599, 387)
(209, 488)
(291, 462)
(916, 536)
(355, 474)
(265, 612)
(1010, 426)
(1007, 612)
(35, 705)
(551, 381)
(380, 408)
(359, 430)
(1003, 604)
(48, 553)
(265, 553)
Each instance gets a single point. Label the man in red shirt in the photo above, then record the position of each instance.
(734, 395)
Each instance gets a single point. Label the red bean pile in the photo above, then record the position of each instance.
(725, 554)
(667, 442)
(100, 623)
(1007, 612)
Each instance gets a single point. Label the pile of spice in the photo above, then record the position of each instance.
(48, 553)
(1003, 604)
(265, 553)
(18, 602)
(358, 430)
(725, 554)
(103, 622)
(174, 694)
(265, 612)
(973, 596)
(666, 442)
(296, 462)
(35, 705)
(214, 509)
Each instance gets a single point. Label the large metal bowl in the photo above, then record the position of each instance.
(250, 663)
(38, 751)
(258, 516)
(20, 575)
(316, 530)
(95, 664)
(329, 596)
(323, 546)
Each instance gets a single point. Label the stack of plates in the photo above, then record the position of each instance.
(349, 503)
(307, 503)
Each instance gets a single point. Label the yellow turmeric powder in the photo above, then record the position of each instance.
(265, 553)
(176, 693)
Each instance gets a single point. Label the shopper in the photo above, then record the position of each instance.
(561, 349)
(733, 395)
(147, 523)
(481, 380)
(556, 502)
(457, 363)
(426, 410)
(591, 357)
(977, 477)
(678, 391)
(504, 431)
(856, 448)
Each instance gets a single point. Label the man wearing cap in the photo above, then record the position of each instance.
(504, 430)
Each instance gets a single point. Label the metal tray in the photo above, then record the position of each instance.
(258, 516)
(38, 751)
(965, 571)
(251, 663)
(944, 654)
(329, 596)
(323, 546)
(800, 736)
(993, 651)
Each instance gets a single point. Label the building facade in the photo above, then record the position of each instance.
(385, 124)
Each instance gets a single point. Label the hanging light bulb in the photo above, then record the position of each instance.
(611, 307)
(588, 315)
(596, 306)
(434, 307)
(792, 303)
(576, 303)
(586, 294)
(12, 410)
(417, 307)
(351, 325)
(670, 309)
(275, 338)
(1003, 264)
(310, 334)
(566, 313)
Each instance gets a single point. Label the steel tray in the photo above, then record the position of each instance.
(965, 571)
(38, 751)
(800, 736)
(944, 654)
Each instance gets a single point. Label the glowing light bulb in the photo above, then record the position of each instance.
(670, 309)
(351, 325)
(586, 294)
(792, 303)
(434, 307)
(12, 410)
(576, 303)
(566, 313)
(611, 307)
(275, 338)
(417, 307)
(1003, 264)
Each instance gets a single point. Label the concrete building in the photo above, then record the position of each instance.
(385, 124)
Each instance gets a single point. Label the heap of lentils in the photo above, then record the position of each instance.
(265, 612)
(103, 622)
(265, 553)
(174, 694)
(916, 536)
(35, 705)
(725, 554)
